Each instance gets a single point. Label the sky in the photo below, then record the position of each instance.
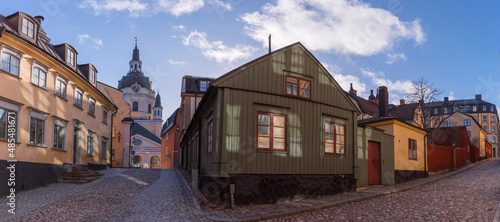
(455, 45)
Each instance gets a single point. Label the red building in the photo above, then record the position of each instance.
(443, 143)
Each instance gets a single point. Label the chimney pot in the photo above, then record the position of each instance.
(401, 102)
(39, 19)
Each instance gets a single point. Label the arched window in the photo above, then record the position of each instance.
(136, 66)
(149, 108)
(135, 106)
(155, 162)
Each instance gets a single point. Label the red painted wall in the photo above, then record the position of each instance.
(441, 157)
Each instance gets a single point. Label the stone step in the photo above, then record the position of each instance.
(80, 175)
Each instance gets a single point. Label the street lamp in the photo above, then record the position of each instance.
(454, 157)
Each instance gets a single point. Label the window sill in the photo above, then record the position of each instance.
(89, 155)
(57, 149)
(104, 122)
(35, 145)
(61, 97)
(45, 89)
(79, 107)
(90, 114)
(10, 74)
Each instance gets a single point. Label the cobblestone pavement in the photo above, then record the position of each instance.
(472, 195)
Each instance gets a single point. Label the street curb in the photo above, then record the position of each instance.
(188, 190)
(329, 205)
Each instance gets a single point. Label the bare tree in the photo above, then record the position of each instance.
(424, 93)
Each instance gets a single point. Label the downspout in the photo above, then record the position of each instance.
(354, 146)
(199, 150)
(425, 154)
(111, 143)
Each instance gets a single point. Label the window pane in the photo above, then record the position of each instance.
(340, 129)
(34, 78)
(264, 119)
(263, 142)
(291, 86)
(328, 128)
(279, 121)
(329, 148)
(264, 131)
(3, 123)
(278, 132)
(329, 138)
(55, 136)
(42, 79)
(305, 87)
(279, 144)
(340, 148)
(340, 139)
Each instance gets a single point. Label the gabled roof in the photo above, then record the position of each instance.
(405, 112)
(138, 129)
(363, 104)
(465, 115)
(171, 121)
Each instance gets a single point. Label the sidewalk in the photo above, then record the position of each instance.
(269, 211)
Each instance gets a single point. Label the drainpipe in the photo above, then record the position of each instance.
(111, 139)
(354, 127)
(425, 153)
(199, 150)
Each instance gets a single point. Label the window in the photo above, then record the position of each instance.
(104, 148)
(113, 132)
(426, 121)
(468, 132)
(61, 86)
(466, 109)
(38, 77)
(59, 135)
(492, 118)
(492, 108)
(149, 108)
(298, 87)
(447, 123)
(135, 106)
(435, 111)
(492, 129)
(90, 143)
(92, 107)
(334, 138)
(70, 58)
(28, 28)
(92, 76)
(436, 121)
(271, 131)
(10, 63)
(104, 115)
(412, 149)
(485, 118)
(210, 126)
(475, 117)
(494, 139)
(37, 131)
(467, 122)
(78, 98)
(7, 117)
(474, 108)
(445, 110)
(485, 128)
(203, 86)
(486, 138)
(484, 108)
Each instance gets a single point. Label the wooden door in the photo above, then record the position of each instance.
(373, 163)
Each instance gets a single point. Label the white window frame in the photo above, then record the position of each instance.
(26, 29)
(474, 108)
(70, 57)
(445, 110)
(92, 75)
(33, 114)
(41, 68)
(13, 53)
(104, 153)
(62, 81)
(8, 106)
(60, 123)
(78, 90)
(90, 149)
(92, 101)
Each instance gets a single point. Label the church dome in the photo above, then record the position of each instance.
(135, 74)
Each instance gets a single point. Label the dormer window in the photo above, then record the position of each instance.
(203, 86)
(28, 28)
(92, 76)
(70, 57)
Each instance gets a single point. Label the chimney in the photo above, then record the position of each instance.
(445, 99)
(478, 97)
(269, 43)
(352, 91)
(39, 19)
(401, 102)
(383, 104)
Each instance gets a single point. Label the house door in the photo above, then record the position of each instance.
(373, 163)
(77, 139)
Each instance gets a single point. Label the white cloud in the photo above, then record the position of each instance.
(172, 62)
(179, 27)
(220, 4)
(341, 26)
(345, 80)
(179, 7)
(134, 7)
(397, 89)
(451, 95)
(394, 57)
(85, 39)
(138, 8)
(217, 50)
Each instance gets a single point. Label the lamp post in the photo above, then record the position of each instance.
(454, 156)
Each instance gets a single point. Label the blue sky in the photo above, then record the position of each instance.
(370, 43)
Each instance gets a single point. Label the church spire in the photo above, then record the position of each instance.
(135, 63)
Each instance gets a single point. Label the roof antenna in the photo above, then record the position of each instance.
(269, 43)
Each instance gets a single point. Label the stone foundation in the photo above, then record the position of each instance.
(401, 176)
(269, 189)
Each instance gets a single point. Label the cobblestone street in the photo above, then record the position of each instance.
(161, 195)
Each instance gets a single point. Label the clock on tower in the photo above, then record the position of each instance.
(136, 88)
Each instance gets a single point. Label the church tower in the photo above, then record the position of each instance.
(158, 109)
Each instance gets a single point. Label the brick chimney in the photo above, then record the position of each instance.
(39, 19)
(352, 91)
(401, 102)
(446, 99)
(383, 109)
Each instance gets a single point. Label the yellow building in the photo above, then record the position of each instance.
(59, 115)
(409, 147)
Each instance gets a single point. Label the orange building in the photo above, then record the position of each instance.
(169, 141)
(56, 112)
